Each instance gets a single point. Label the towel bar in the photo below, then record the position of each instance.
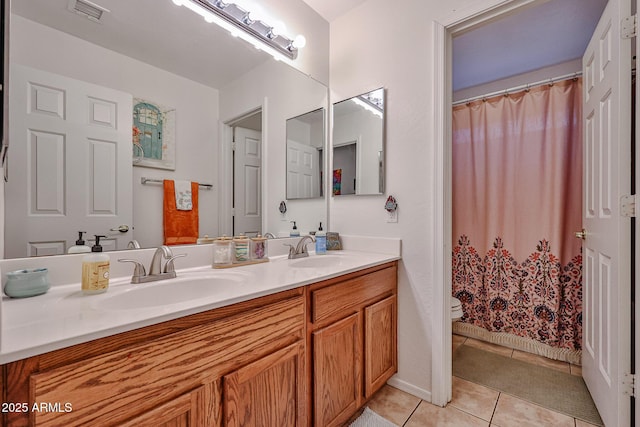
(144, 180)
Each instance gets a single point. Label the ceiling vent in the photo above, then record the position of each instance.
(87, 9)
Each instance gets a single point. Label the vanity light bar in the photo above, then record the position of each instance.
(371, 101)
(233, 17)
(368, 105)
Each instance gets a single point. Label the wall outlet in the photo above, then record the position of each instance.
(392, 216)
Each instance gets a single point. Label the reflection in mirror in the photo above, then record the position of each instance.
(358, 144)
(102, 67)
(305, 159)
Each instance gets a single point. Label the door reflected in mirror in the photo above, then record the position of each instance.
(358, 144)
(305, 159)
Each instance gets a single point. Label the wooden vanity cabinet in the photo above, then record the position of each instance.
(237, 365)
(307, 356)
(353, 336)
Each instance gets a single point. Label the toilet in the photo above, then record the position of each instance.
(456, 309)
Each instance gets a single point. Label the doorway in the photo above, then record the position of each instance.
(443, 33)
(246, 196)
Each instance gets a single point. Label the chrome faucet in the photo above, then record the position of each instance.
(133, 244)
(269, 235)
(156, 271)
(300, 251)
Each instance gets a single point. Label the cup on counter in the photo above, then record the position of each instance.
(241, 248)
(223, 251)
(258, 248)
(27, 283)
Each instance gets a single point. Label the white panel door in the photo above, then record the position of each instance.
(303, 171)
(247, 184)
(75, 140)
(606, 250)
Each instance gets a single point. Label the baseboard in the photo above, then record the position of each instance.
(410, 388)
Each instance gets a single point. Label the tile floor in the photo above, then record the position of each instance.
(473, 404)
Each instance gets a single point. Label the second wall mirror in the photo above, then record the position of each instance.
(358, 144)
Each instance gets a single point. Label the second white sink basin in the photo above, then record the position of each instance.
(185, 287)
(319, 261)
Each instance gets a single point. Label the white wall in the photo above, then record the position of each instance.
(379, 44)
(300, 18)
(196, 106)
(284, 93)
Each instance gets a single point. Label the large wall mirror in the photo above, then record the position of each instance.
(192, 74)
(358, 144)
(305, 155)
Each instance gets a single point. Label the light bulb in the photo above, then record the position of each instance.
(278, 28)
(256, 16)
(299, 42)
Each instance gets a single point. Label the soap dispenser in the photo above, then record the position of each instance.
(95, 270)
(294, 231)
(321, 241)
(79, 247)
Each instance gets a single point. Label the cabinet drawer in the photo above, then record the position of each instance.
(351, 295)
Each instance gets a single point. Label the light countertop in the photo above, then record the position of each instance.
(64, 316)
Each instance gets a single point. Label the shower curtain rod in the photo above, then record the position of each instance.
(519, 88)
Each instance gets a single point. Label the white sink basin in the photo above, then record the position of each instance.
(319, 261)
(185, 287)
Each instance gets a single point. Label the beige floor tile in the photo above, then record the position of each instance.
(576, 370)
(393, 404)
(474, 399)
(457, 341)
(541, 361)
(512, 411)
(482, 345)
(428, 415)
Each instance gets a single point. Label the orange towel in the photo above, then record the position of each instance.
(180, 227)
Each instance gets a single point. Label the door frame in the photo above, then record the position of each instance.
(443, 31)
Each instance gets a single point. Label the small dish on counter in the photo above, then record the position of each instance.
(27, 283)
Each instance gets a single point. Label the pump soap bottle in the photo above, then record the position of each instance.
(294, 231)
(321, 241)
(79, 247)
(95, 270)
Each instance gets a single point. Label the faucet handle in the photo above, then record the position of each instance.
(169, 267)
(138, 271)
(292, 249)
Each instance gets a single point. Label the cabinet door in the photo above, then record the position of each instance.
(337, 371)
(380, 344)
(268, 392)
(184, 411)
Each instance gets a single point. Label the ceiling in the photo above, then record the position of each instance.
(534, 38)
(332, 9)
(152, 31)
(551, 33)
(554, 32)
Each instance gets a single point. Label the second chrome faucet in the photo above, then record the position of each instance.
(156, 271)
(300, 249)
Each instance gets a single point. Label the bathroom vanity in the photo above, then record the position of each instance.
(309, 352)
